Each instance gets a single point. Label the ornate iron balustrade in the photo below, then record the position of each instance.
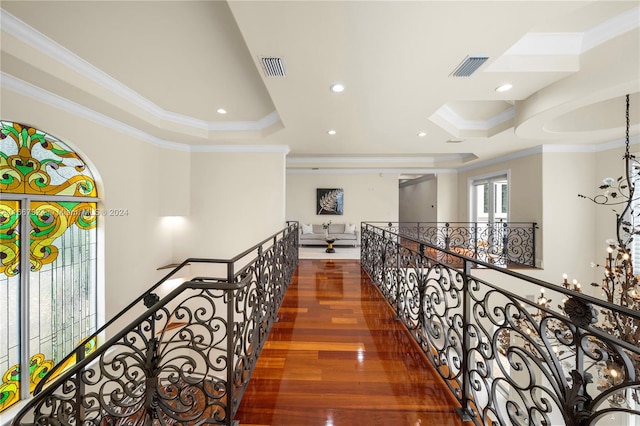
(500, 243)
(506, 358)
(187, 359)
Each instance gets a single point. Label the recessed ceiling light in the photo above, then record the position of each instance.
(504, 87)
(422, 134)
(337, 88)
(222, 111)
(332, 132)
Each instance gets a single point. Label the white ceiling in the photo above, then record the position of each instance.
(165, 67)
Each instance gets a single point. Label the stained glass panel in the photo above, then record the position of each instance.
(62, 278)
(33, 162)
(62, 256)
(9, 303)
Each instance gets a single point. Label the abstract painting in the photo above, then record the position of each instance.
(329, 201)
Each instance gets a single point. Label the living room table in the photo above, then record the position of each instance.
(330, 248)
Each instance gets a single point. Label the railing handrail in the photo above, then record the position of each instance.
(40, 385)
(503, 243)
(195, 285)
(454, 222)
(518, 275)
(473, 343)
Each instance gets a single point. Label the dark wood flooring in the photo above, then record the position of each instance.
(337, 356)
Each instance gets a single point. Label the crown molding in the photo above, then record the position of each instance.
(547, 44)
(366, 171)
(284, 149)
(448, 114)
(235, 126)
(574, 44)
(502, 159)
(610, 29)
(572, 149)
(374, 160)
(21, 87)
(46, 46)
(605, 146)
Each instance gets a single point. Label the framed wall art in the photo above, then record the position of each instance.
(329, 201)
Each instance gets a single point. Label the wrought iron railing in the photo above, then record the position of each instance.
(506, 244)
(507, 357)
(188, 358)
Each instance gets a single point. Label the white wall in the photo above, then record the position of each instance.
(568, 221)
(237, 200)
(133, 246)
(367, 197)
(447, 202)
(221, 203)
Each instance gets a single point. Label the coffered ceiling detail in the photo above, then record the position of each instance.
(164, 71)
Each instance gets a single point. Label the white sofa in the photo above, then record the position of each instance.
(314, 235)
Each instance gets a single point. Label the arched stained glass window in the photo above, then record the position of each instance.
(48, 280)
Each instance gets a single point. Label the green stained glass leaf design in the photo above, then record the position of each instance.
(60, 152)
(68, 205)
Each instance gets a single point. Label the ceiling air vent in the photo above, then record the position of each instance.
(273, 67)
(469, 65)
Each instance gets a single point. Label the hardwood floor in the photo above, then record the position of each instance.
(338, 357)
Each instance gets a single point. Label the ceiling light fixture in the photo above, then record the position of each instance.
(332, 132)
(222, 111)
(504, 87)
(337, 88)
(422, 134)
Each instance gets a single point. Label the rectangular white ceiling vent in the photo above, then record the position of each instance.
(469, 65)
(273, 67)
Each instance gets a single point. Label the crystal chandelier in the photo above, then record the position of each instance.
(619, 283)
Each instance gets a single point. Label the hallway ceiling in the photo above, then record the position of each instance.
(166, 67)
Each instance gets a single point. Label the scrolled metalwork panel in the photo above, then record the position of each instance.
(248, 312)
(428, 301)
(367, 252)
(408, 284)
(389, 270)
(500, 243)
(373, 243)
(519, 248)
(441, 335)
(166, 368)
(172, 366)
(507, 359)
(532, 364)
(257, 306)
(507, 368)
